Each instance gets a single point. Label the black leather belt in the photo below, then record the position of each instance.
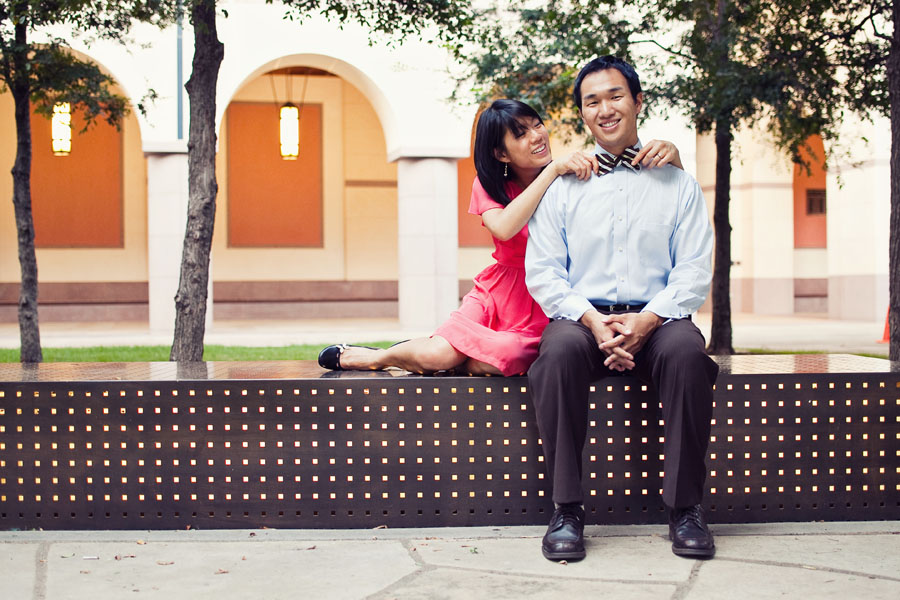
(615, 308)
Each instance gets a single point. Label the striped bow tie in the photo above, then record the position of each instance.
(608, 163)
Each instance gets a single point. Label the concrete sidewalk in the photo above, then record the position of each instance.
(780, 333)
(793, 560)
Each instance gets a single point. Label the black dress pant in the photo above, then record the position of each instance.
(673, 361)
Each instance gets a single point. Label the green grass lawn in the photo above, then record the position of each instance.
(161, 353)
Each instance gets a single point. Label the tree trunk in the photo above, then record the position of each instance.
(190, 301)
(893, 69)
(720, 333)
(29, 332)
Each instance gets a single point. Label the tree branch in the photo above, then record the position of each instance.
(665, 49)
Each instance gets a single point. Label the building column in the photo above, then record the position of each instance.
(764, 190)
(167, 201)
(427, 244)
(859, 209)
(761, 215)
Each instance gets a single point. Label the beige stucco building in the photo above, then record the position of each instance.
(370, 219)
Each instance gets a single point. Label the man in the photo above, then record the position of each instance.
(619, 263)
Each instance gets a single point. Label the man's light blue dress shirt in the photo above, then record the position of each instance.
(623, 238)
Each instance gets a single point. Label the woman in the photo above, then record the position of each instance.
(497, 328)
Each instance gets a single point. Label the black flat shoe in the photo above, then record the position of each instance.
(690, 534)
(330, 356)
(564, 539)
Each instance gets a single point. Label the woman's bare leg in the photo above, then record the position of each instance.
(477, 367)
(420, 355)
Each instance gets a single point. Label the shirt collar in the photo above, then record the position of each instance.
(598, 149)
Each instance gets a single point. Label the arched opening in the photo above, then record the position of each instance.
(89, 210)
(275, 200)
(809, 196)
(810, 220)
(311, 237)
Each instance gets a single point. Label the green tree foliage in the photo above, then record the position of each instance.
(749, 63)
(447, 20)
(534, 53)
(864, 40)
(45, 73)
(791, 67)
(860, 37)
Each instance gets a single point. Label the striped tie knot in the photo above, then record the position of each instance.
(609, 162)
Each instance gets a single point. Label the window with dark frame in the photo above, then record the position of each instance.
(815, 202)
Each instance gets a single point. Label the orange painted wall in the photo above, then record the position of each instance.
(272, 201)
(77, 199)
(471, 232)
(810, 230)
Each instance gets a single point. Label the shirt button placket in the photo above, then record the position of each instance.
(620, 260)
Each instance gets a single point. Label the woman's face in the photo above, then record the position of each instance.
(529, 151)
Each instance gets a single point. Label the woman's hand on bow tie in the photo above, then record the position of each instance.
(581, 164)
(657, 153)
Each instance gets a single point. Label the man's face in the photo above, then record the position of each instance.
(609, 110)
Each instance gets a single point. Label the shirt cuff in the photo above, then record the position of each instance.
(665, 308)
(573, 308)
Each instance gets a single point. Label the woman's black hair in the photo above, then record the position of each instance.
(501, 116)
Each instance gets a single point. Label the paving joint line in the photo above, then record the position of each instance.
(805, 533)
(682, 590)
(39, 591)
(414, 553)
(546, 577)
(807, 567)
(421, 569)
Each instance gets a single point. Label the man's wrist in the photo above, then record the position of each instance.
(588, 317)
(653, 319)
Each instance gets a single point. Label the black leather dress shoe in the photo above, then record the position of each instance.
(564, 539)
(690, 534)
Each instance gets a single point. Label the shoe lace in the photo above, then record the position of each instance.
(568, 515)
(692, 514)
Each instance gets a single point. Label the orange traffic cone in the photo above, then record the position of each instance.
(886, 338)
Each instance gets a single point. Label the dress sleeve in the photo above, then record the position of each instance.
(481, 201)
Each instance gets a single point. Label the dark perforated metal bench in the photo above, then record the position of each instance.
(288, 445)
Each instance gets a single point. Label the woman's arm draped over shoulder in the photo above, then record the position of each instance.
(506, 222)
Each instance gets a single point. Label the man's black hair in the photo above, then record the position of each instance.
(601, 64)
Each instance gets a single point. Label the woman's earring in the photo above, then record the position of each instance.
(506, 169)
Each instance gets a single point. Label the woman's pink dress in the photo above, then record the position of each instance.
(498, 322)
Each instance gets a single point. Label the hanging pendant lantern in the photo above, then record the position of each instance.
(61, 129)
(290, 132)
